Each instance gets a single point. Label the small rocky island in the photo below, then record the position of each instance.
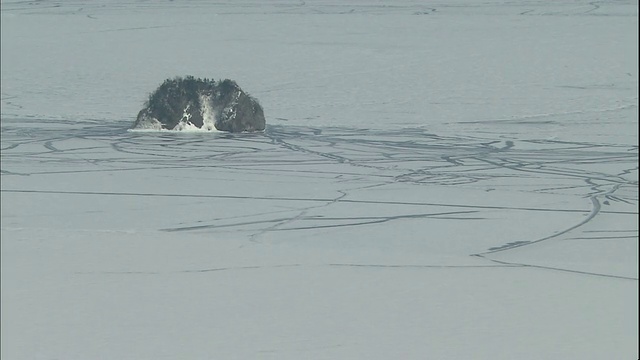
(187, 102)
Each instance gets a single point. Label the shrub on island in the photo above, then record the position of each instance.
(207, 104)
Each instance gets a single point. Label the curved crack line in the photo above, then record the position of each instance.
(595, 210)
(515, 264)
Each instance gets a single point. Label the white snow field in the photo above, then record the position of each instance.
(438, 180)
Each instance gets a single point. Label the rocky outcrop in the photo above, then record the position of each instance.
(189, 102)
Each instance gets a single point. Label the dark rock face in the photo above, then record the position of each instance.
(188, 102)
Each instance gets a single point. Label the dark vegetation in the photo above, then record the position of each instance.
(181, 99)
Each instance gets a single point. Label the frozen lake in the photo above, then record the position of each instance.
(438, 180)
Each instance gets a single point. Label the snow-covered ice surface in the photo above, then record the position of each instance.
(457, 180)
